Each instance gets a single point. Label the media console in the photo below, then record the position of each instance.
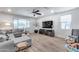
(47, 32)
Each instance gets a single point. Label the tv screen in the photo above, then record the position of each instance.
(47, 24)
(75, 32)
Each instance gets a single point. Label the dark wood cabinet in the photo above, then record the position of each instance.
(47, 32)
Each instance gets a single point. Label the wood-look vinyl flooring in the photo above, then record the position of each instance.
(43, 43)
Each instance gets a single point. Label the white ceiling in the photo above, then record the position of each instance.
(27, 11)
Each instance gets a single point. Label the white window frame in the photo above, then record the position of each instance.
(66, 22)
(18, 21)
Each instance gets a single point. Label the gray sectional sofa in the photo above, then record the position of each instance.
(9, 46)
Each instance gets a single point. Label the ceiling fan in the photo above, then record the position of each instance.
(36, 12)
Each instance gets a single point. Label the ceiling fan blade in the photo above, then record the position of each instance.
(39, 13)
(34, 11)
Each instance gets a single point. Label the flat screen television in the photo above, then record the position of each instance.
(75, 32)
(47, 24)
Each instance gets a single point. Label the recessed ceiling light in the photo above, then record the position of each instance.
(9, 10)
(52, 11)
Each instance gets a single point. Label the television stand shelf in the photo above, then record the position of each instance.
(47, 32)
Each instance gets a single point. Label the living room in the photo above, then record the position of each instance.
(46, 29)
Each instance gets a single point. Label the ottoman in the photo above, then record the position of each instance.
(21, 46)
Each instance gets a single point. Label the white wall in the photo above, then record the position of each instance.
(9, 18)
(56, 18)
(3, 19)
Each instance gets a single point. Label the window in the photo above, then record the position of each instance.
(65, 22)
(21, 24)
